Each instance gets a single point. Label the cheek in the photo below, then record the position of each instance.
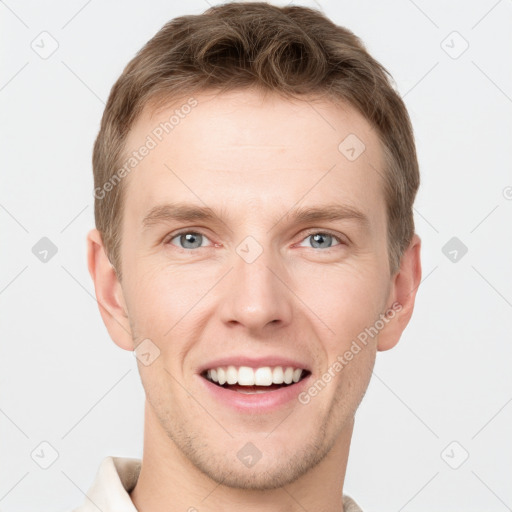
(167, 304)
(152, 302)
(347, 299)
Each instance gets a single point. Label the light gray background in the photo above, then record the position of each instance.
(64, 382)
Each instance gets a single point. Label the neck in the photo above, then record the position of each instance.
(169, 482)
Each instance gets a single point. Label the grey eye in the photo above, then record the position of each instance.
(189, 240)
(321, 240)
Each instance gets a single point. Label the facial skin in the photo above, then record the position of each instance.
(252, 160)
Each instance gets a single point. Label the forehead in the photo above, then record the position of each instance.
(241, 150)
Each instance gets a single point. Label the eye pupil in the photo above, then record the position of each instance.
(192, 239)
(318, 238)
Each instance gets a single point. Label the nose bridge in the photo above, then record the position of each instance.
(255, 296)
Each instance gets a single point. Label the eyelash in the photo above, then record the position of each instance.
(172, 236)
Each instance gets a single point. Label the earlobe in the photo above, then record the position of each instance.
(403, 295)
(109, 293)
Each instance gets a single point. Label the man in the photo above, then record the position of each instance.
(255, 174)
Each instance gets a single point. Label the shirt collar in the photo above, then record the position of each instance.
(115, 479)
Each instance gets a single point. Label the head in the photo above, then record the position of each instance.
(226, 148)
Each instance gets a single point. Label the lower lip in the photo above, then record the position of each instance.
(255, 402)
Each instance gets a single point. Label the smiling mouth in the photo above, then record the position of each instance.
(253, 389)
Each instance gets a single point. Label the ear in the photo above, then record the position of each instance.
(402, 295)
(109, 293)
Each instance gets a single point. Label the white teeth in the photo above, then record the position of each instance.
(246, 376)
(296, 375)
(263, 376)
(288, 375)
(278, 375)
(221, 375)
(231, 375)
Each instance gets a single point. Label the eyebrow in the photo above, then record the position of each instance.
(185, 212)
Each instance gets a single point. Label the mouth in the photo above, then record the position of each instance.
(247, 380)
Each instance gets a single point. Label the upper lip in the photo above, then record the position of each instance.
(253, 362)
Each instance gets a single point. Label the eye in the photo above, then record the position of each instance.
(189, 239)
(323, 240)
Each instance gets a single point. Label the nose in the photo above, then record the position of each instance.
(256, 294)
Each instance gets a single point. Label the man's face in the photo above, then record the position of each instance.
(254, 281)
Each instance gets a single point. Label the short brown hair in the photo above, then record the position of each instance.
(292, 51)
